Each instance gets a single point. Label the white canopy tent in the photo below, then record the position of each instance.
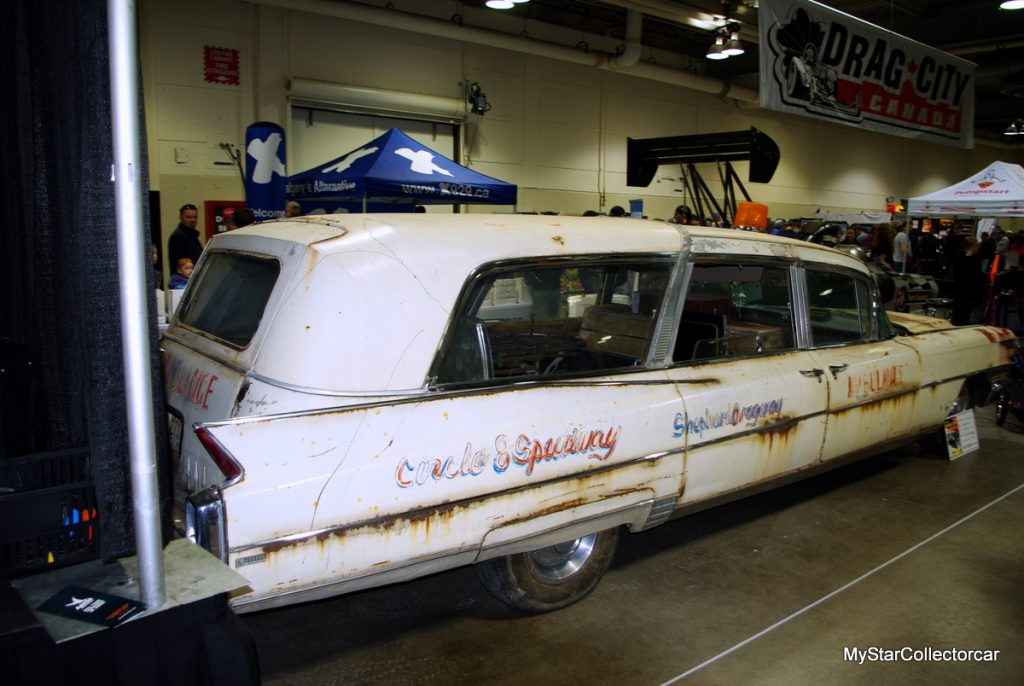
(862, 217)
(995, 191)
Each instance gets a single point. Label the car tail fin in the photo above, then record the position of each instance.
(228, 465)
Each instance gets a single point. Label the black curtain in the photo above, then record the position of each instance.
(60, 307)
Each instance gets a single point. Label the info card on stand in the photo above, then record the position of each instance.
(961, 434)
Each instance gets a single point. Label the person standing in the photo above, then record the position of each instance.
(683, 215)
(228, 216)
(181, 275)
(986, 250)
(243, 217)
(967, 277)
(1002, 247)
(184, 242)
(901, 250)
(881, 245)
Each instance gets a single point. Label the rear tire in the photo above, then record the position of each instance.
(550, 578)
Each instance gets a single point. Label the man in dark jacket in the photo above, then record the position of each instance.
(184, 242)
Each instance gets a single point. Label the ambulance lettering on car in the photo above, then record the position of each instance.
(355, 400)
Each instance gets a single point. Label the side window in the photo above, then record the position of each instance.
(734, 309)
(541, 321)
(840, 307)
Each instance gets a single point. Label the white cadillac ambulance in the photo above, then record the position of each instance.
(356, 400)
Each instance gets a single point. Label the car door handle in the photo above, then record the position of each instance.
(836, 368)
(813, 372)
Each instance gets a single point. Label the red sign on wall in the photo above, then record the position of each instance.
(220, 65)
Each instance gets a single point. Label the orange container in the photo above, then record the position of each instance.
(751, 214)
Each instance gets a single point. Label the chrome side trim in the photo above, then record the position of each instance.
(420, 513)
(761, 429)
(794, 475)
(312, 390)
(468, 392)
(661, 511)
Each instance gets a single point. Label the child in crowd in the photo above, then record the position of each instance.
(181, 273)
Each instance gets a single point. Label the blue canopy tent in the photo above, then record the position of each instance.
(395, 169)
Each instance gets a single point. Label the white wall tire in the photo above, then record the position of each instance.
(550, 578)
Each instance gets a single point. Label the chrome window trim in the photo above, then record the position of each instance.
(874, 307)
(471, 293)
(789, 264)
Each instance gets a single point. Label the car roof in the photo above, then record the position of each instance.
(383, 286)
(474, 239)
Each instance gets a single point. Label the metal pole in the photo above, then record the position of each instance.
(133, 258)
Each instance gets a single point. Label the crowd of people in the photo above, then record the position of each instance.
(184, 246)
(971, 264)
(975, 269)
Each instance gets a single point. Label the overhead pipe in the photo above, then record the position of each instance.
(395, 19)
(312, 91)
(634, 42)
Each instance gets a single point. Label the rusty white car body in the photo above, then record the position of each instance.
(360, 399)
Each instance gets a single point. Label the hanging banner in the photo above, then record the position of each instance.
(821, 63)
(265, 175)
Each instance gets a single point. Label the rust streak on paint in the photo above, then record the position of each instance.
(885, 405)
(424, 519)
(242, 390)
(780, 431)
(710, 381)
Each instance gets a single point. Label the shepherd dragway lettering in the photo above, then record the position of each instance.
(729, 416)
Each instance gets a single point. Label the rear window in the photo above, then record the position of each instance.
(226, 298)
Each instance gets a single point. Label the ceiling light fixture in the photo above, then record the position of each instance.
(503, 4)
(727, 42)
(717, 49)
(733, 46)
(1012, 5)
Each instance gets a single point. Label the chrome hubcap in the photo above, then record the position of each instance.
(558, 563)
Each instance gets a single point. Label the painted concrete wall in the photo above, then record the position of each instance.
(556, 129)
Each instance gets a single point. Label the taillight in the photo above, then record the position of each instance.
(228, 466)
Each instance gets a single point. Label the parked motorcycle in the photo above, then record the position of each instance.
(1010, 396)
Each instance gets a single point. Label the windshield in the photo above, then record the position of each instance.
(227, 296)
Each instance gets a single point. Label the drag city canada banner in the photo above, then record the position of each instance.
(821, 63)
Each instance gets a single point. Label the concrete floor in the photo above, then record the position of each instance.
(902, 550)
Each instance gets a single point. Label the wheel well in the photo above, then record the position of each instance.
(978, 389)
